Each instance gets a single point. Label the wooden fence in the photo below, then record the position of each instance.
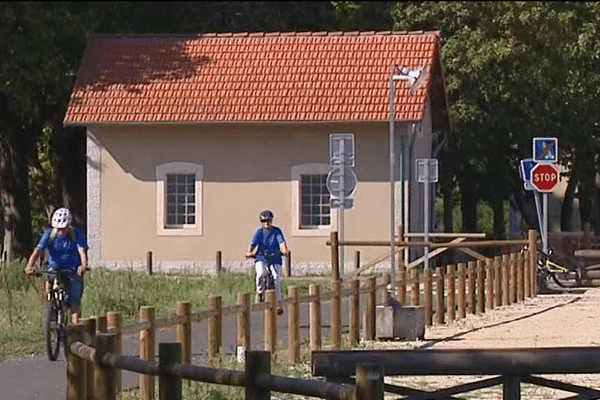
(472, 287)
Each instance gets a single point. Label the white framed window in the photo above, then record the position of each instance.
(179, 199)
(311, 212)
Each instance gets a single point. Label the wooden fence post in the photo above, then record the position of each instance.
(357, 260)
(114, 322)
(218, 264)
(184, 331)
(336, 315)
(440, 294)
(147, 337)
(472, 287)
(104, 376)
(335, 256)
(489, 284)
(243, 326)
(532, 236)
(215, 330)
(427, 296)
(369, 381)
(288, 264)
(370, 309)
(315, 317)
(257, 362)
(480, 286)
(451, 299)
(513, 277)
(462, 291)
(354, 328)
(386, 296)
(505, 280)
(497, 281)
(401, 284)
(101, 323)
(149, 262)
(169, 387)
(89, 339)
(520, 277)
(526, 276)
(271, 322)
(294, 325)
(76, 371)
(415, 291)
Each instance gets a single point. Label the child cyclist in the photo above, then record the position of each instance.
(268, 241)
(67, 251)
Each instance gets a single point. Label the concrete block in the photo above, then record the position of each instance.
(399, 322)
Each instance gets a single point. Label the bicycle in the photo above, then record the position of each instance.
(56, 316)
(562, 270)
(266, 281)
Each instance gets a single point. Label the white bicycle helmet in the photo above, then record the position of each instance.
(61, 218)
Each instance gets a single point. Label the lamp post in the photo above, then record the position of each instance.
(416, 77)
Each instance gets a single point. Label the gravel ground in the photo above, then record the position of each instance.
(571, 318)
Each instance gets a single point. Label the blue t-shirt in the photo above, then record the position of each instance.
(268, 245)
(63, 254)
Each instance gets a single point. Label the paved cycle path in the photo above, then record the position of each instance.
(40, 379)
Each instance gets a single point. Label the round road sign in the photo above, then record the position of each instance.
(544, 177)
(341, 182)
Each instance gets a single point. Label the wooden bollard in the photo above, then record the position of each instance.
(149, 262)
(370, 309)
(489, 284)
(104, 376)
(89, 339)
(520, 277)
(101, 323)
(169, 387)
(294, 325)
(440, 294)
(415, 291)
(184, 331)
(354, 313)
(472, 283)
(336, 315)
(462, 291)
(505, 280)
(243, 326)
(218, 264)
(215, 330)
(451, 299)
(315, 317)
(497, 281)
(271, 322)
(480, 274)
(401, 284)
(257, 363)
(386, 296)
(427, 295)
(147, 337)
(335, 256)
(369, 381)
(513, 277)
(114, 322)
(76, 371)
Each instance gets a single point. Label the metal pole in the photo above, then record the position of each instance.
(539, 210)
(545, 230)
(426, 220)
(341, 209)
(392, 190)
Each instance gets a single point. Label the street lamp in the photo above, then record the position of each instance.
(416, 79)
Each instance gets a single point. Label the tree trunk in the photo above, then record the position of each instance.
(566, 210)
(468, 200)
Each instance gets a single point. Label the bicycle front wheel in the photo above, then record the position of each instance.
(568, 279)
(53, 336)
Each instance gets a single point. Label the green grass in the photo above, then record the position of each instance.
(124, 292)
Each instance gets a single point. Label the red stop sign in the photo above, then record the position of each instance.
(544, 177)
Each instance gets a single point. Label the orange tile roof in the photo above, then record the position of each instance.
(249, 77)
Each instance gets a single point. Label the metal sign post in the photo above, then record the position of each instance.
(427, 172)
(341, 181)
(545, 151)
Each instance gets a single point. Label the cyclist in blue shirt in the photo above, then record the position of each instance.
(67, 251)
(268, 245)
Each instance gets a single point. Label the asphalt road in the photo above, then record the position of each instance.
(38, 378)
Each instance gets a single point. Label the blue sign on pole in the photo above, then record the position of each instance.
(545, 150)
(525, 168)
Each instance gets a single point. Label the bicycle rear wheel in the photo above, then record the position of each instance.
(568, 279)
(53, 337)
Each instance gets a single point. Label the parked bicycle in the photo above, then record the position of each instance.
(564, 271)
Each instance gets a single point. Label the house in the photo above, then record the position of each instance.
(189, 137)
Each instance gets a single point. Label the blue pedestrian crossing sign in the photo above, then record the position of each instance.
(525, 168)
(545, 150)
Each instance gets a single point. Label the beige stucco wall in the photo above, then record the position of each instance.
(246, 168)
